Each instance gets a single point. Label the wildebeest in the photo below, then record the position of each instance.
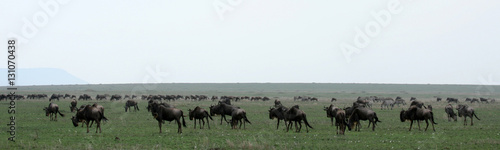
(419, 104)
(277, 103)
(278, 113)
(333, 99)
(84, 97)
(363, 113)
(52, 109)
(115, 97)
(100, 97)
(449, 100)
(450, 113)
(331, 111)
(340, 122)
(161, 113)
(54, 97)
(89, 113)
(239, 115)
(416, 113)
(466, 111)
(200, 114)
(438, 99)
(131, 103)
(222, 109)
(483, 100)
(72, 107)
(296, 115)
(387, 103)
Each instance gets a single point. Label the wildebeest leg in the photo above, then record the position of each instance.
(471, 120)
(194, 123)
(203, 123)
(288, 125)
(98, 126)
(411, 123)
(87, 126)
(418, 122)
(465, 120)
(179, 129)
(208, 123)
(373, 127)
(159, 124)
(427, 122)
(278, 125)
(332, 120)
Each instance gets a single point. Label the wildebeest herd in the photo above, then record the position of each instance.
(343, 118)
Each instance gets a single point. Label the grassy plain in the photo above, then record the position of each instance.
(138, 130)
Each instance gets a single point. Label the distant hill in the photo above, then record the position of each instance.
(41, 76)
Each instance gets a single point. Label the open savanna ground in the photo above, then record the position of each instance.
(139, 130)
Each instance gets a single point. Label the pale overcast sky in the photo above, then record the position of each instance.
(165, 41)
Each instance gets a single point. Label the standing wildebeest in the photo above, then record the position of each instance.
(466, 111)
(419, 104)
(331, 111)
(90, 113)
(160, 113)
(278, 113)
(416, 113)
(333, 99)
(296, 115)
(52, 109)
(438, 99)
(363, 113)
(340, 122)
(238, 115)
(277, 103)
(131, 103)
(387, 103)
(100, 97)
(450, 113)
(222, 109)
(72, 107)
(200, 114)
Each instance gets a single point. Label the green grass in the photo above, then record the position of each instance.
(138, 130)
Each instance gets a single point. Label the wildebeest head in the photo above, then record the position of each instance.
(402, 115)
(47, 112)
(75, 121)
(214, 109)
(191, 116)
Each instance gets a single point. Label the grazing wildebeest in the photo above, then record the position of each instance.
(387, 103)
(54, 96)
(419, 104)
(416, 113)
(333, 99)
(115, 97)
(467, 111)
(90, 113)
(161, 113)
(413, 99)
(52, 109)
(72, 107)
(348, 112)
(483, 100)
(438, 99)
(450, 113)
(331, 111)
(296, 115)
(84, 97)
(100, 97)
(239, 115)
(363, 113)
(200, 114)
(278, 113)
(131, 103)
(222, 109)
(340, 122)
(449, 100)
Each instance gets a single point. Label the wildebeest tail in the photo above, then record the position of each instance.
(476, 116)
(209, 116)
(246, 119)
(432, 118)
(183, 122)
(376, 118)
(62, 115)
(103, 118)
(307, 123)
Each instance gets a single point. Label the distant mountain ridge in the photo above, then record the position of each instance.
(41, 76)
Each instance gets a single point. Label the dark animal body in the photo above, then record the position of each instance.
(222, 109)
(239, 115)
(72, 107)
(160, 113)
(278, 113)
(199, 114)
(89, 113)
(53, 109)
(363, 113)
(131, 103)
(296, 115)
(466, 111)
(450, 113)
(416, 113)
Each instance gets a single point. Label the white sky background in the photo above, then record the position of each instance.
(443, 42)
